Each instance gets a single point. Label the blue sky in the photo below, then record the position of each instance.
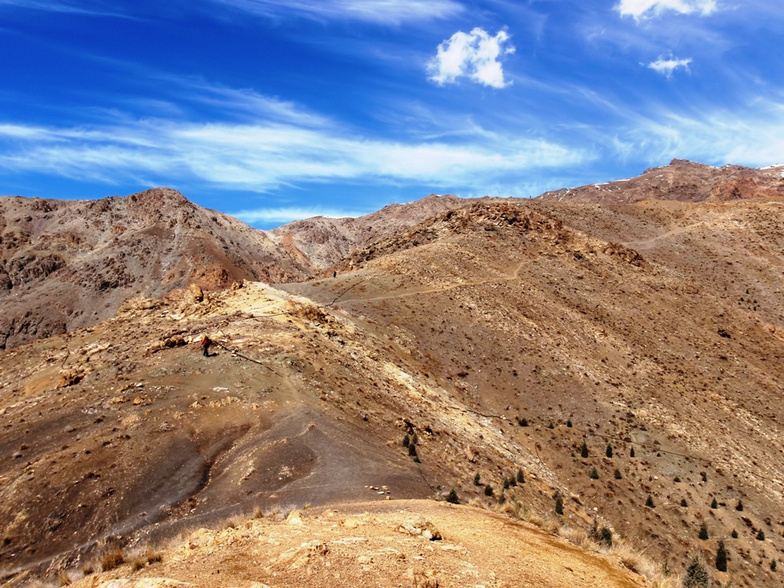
(273, 110)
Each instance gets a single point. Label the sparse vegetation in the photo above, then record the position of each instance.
(714, 504)
(452, 498)
(550, 425)
(677, 479)
(488, 490)
(649, 502)
(412, 450)
(721, 557)
(584, 450)
(520, 476)
(617, 474)
(739, 506)
(608, 450)
(569, 424)
(112, 559)
(697, 575)
(477, 479)
(684, 504)
(406, 440)
(734, 534)
(414, 439)
(523, 422)
(761, 535)
(773, 565)
(703, 534)
(558, 504)
(594, 475)
(631, 452)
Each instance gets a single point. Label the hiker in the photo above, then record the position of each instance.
(205, 346)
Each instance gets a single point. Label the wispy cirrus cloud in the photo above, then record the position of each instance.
(475, 55)
(84, 7)
(666, 66)
(265, 155)
(375, 11)
(286, 214)
(647, 8)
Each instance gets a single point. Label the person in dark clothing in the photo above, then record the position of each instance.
(205, 346)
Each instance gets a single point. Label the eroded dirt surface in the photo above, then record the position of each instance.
(400, 543)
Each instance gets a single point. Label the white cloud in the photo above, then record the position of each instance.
(288, 214)
(376, 11)
(646, 8)
(263, 156)
(669, 65)
(475, 56)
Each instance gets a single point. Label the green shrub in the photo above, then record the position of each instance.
(684, 503)
(608, 451)
(412, 450)
(703, 534)
(569, 424)
(617, 474)
(773, 565)
(584, 450)
(523, 422)
(721, 558)
(414, 439)
(558, 504)
(649, 502)
(696, 575)
(714, 504)
(594, 473)
(476, 480)
(606, 536)
(550, 425)
(506, 483)
(406, 440)
(677, 479)
(520, 476)
(761, 535)
(452, 498)
(631, 452)
(488, 490)
(739, 506)
(734, 534)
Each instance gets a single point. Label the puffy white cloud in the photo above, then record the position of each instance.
(669, 65)
(474, 55)
(645, 8)
(376, 11)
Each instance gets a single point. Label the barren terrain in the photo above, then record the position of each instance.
(496, 337)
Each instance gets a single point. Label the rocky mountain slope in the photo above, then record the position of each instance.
(621, 361)
(684, 181)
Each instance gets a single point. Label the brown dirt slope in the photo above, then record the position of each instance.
(68, 264)
(683, 181)
(326, 241)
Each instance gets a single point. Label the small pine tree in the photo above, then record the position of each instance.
(649, 502)
(406, 440)
(631, 452)
(523, 422)
(734, 534)
(476, 479)
(714, 504)
(412, 450)
(502, 499)
(550, 425)
(617, 474)
(414, 439)
(520, 476)
(584, 450)
(606, 536)
(608, 452)
(569, 424)
(677, 479)
(761, 535)
(558, 504)
(773, 565)
(704, 476)
(703, 532)
(594, 473)
(696, 575)
(739, 506)
(721, 558)
(684, 503)
(488, 490)
(512, 481)
(506, 483)
(452, 498)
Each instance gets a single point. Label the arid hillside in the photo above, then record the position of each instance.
(684, 181)
(618, 363)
